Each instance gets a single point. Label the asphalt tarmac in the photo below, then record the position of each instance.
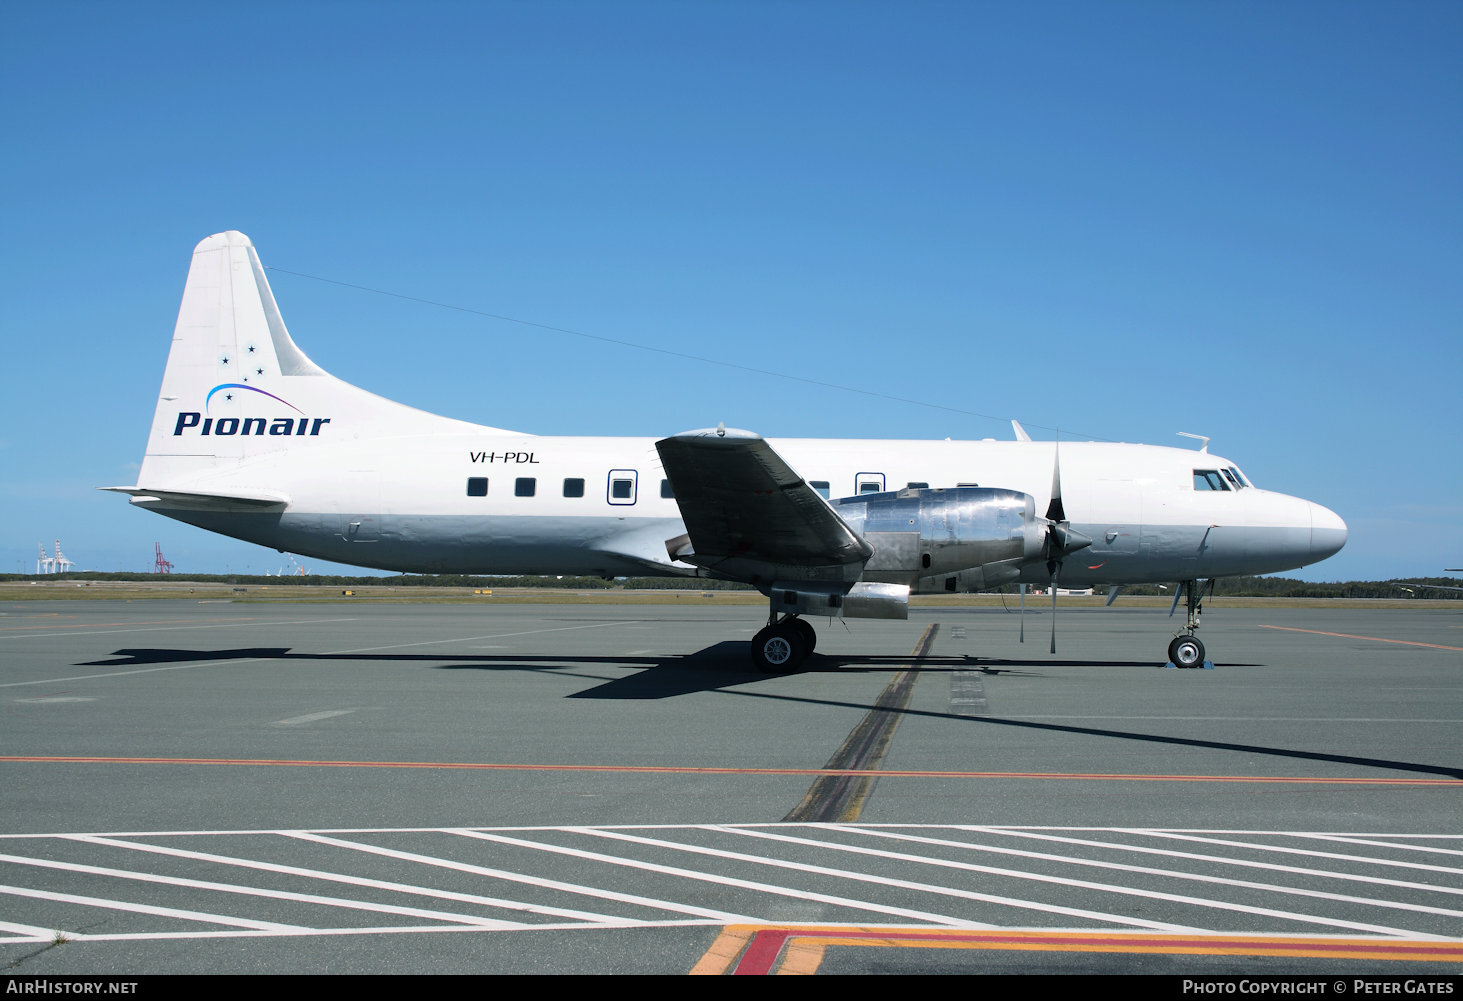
(362, 786)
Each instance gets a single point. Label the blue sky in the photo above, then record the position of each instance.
(1120, 219)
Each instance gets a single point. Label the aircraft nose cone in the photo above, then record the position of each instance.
(1328, 533)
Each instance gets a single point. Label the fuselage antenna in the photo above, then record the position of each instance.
(1204, 447)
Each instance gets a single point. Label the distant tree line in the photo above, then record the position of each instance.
(398, 580)
(1238, 587)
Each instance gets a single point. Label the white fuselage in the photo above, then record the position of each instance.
(491, 503)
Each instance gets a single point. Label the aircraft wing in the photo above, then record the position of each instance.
(749, 516)
(1408, 585)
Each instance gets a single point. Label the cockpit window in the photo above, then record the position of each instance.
(1209, 479)
(1239, 476)
(1234, 480)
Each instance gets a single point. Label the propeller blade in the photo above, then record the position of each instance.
(1054, 510)
(1022, 616)
(1055, 571)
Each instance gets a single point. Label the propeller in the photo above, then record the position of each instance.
(1060, 537)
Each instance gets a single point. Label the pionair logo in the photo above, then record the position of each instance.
(278, 426)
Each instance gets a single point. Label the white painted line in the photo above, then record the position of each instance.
(141, 670)
(1220, 860)
(336, 932)
(252, 891)
(335, 877)
(706, 877)
(471, 639)
(260, 660)
(888, 881)
(238, 624)
(1145, 870)
(313, 717)
(1362, 859)
(1128, 891)
(30, 933)
(1431, 849)
(551, 884)
(167, 912)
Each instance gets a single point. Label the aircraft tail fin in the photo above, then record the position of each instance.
(237, 387)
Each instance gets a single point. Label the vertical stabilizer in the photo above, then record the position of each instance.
(237, 387)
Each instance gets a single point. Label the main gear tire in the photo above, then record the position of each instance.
(778, 649)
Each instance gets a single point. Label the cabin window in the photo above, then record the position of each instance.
(477, 486)
(622, 486)
(666, 491)
(822, 488)
(868, 483)
(574, 486)
(869, 488)
(916, 486)
(1209, 479)
(525, 486)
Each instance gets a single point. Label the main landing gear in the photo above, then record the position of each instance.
(1185, 650)
(783, 644)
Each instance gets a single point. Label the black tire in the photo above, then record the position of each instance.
(778, 649)
(1186, 651)
(808, 633)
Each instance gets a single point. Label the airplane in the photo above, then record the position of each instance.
(252, 439)
(1408, 585)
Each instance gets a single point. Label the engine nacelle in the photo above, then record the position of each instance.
(955, 539)
(865, 600)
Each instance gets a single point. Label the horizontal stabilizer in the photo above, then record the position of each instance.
(253, 500)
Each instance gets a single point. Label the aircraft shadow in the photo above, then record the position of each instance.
(723, 666)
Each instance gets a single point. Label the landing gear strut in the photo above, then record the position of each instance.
(783, 644)
(1185, 650)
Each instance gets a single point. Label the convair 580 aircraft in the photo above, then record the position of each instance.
(253, 440)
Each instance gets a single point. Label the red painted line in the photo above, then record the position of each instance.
(762, 953)
(690, 770)
(1374, 639)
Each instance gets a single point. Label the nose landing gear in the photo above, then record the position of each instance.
(1185, 650)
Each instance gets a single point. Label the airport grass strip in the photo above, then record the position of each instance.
(705, 770)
